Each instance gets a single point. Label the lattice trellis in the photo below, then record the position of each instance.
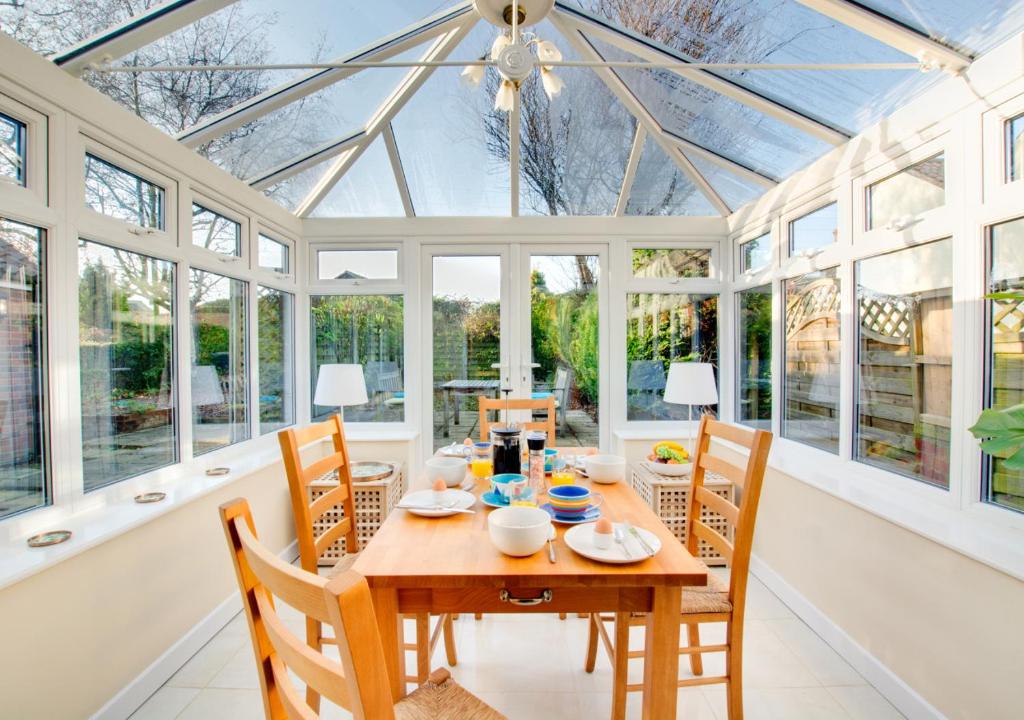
(817, 300)
(887, 317)
(1008, 317)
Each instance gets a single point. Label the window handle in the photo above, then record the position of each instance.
(139, 230)
(229, 258)
(282, 276)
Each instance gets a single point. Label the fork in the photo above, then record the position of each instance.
(620, 538)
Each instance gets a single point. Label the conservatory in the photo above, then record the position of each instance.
(341, 270)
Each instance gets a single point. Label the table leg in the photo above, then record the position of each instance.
(661, 654)
(385, 607)
(444, 396)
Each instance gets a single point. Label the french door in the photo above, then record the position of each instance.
(530, 318)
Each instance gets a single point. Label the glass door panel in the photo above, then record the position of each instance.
(466, 331)
(564, 348)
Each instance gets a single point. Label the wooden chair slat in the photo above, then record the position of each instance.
(287, 582)
(312, 433)
(731, 433)
(294, 706)
(321, 467)
(313, 668)
(712, 538)
(547, 404)
(715, 464)
(718, 504)
(330, 499)
(331, 534)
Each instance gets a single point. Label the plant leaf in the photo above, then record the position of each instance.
(1015, 461)
(1003, 447)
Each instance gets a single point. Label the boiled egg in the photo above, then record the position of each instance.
(603, 526)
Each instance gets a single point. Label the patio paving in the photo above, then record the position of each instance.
(580, 430)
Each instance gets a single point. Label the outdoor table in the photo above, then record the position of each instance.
(448, 565)
(454, 388)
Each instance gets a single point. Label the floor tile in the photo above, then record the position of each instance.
(239, 672)
(223, 703)
(824, 663)
(165, 703)
(202, 667)
(546, 705)
(802, 704)
(864, 703)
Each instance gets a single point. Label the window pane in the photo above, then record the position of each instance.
(660, 187)
(277, 362)
(366, 330)
(904, 361)
(23, 483)
(215, 232)
(1015, 149)
(12, 149)
(756, 254)
(662, 329)
(910, 192)
(126, 351)
(219, 362)
(357, 264)
(120, 194)
(754, 399)
(1004, 486)
(273, 255)
(814, 230)
(811, 381)
(671, 263)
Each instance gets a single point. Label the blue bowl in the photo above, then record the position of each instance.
(569, 492)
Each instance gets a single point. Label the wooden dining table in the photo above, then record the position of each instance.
(449, 565)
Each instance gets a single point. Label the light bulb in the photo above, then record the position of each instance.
(552, 83)
(548, 51)
(504, 99)
(473, 75)
(500, 43)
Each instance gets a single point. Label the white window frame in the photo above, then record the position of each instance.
(827, 256)
(390, 286)
(229, 211)
(996, 187)
(261, 228)
(765, 274)
(158, 240)
(37, 132)
(254, 359)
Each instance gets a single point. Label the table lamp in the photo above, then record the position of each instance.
(691, 383)
(340, 385)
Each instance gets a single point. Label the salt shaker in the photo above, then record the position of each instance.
(535, 444)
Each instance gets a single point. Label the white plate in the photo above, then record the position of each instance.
(580, 540)
(425, 498)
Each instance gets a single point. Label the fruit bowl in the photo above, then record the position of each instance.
(670, 459)
(680, 470)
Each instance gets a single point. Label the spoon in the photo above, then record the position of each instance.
(620, 538)
(551, 545)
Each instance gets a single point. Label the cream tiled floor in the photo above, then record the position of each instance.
(532, 667)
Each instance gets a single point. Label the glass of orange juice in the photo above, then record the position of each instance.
(481, 464)
(562, 473)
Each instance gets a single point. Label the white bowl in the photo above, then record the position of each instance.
(519, 530)
(680, 470)
(606, 469)
(451, 470)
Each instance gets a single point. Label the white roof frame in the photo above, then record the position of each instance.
(396, 167)
(635, 152)
(136, 32)
(647, 121)
(891, 32)
(383, 49)
(294, 166)
(651, 51)
(412, 82)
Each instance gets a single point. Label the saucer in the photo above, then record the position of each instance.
(493, 499)
(585, 517)
(581, 541)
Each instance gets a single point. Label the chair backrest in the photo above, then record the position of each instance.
(748, 480)
(547, 425)
(358, 683)
(308, 511)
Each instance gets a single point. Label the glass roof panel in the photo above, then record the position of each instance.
(734, 189)
(441, 133)
(715, 122)
(972, 27)
(368, 189)
(291, 192)
(660, 188)
(575, 147)
(297, 129)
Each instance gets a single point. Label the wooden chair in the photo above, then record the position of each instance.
(542, 404)
(718, 602)
(311, 547)
(359, 683)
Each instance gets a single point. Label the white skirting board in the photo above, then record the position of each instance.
(907, 700)
(134, 694)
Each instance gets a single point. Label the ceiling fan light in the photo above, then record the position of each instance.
(552, 83)
(473, 75)
(547, 51)
(499, 44)
(505, 98)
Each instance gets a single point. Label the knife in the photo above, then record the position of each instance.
(640, 538)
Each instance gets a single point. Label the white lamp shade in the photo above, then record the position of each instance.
(206, 386)
(691, 383)
(340, 385)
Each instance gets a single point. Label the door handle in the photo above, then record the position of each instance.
(506, 596)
